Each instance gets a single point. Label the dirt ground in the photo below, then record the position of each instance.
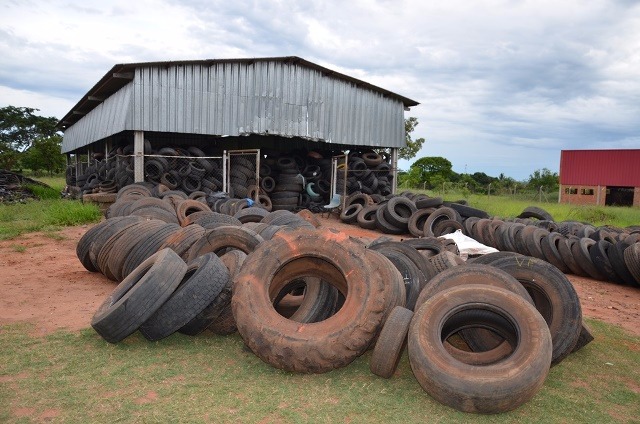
(42, 282)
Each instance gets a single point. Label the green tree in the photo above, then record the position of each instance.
(44, 154)
(412, 146)
(19, 128)
(543, 178)
(433, 170)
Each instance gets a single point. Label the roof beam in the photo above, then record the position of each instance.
(123, 75)
(96, 98)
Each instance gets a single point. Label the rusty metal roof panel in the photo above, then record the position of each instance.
(281, 96)
(600, 167)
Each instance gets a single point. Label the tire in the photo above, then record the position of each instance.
(565, 248)
(417, 220)
(137, 297)
(549, 246)
(146, 248)
(439, 214)
(251, 214)
(445, 260)
(467, 211)
(203, 281)
(398, 211)
(221, 238)
(232, 260)
(581, 254)
(385, 226)
(431, 202)
(632, 260)
(493, 388)
(182, 240)
(536, 212)
(616, 257)
(349, 215)
(92, 241)
(585, 338)
(553, 295)
(391, 343)
(298, 347)
(187, 207)
(366, 217)
(600, 259)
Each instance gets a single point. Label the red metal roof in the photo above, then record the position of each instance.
(600, 167)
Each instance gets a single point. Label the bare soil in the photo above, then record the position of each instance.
(42, 282)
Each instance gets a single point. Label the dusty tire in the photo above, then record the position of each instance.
(218, 239)
(553, 295)
(203, 281)
(488, 389)
(391, 343)
(308, 348)
(139, 296)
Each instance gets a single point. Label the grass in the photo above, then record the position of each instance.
(19, 248)
(80, 378)
(49, 214)
(508, 207)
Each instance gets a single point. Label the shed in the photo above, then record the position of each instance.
(600, 177)
(219, 105)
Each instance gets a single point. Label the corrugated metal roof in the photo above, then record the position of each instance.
(600, 167)
(287, 96)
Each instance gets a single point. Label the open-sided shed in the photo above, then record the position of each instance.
(279, 104)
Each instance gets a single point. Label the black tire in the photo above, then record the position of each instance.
(398, 211)
(582, 256)
(439, 214)
(467, 211)
(431, 202)
(146, 247)
(391, 342)
(139, 296)
(218, 239)
(553, 295)
(600, 259)
(203, 281)
(349, 215)
(536, 212)
(493, 388)
(385, 226)
(417, 220)
(232, 260)
(366, 217)
(549, 246)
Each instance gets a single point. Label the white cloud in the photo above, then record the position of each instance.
(503, 84)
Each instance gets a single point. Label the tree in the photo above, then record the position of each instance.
(433, 170)
(544, 178)
(44, 154)
(413, 146)
(19, 128)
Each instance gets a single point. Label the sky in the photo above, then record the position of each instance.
(503, 85)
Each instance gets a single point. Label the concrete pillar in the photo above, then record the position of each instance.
(394, 169)
(138, 158)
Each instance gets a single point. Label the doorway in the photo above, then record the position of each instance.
(619, 196)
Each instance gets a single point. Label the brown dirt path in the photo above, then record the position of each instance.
(42, 282)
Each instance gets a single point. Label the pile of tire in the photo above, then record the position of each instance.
(407, 213)
(573, 247)
(478, 341)
(368, 172)
(185, 169)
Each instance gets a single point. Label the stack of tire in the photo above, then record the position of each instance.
(174, 167)
(368, 172)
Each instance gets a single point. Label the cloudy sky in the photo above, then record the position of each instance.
(504, 85)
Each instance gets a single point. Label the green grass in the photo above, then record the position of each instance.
(44, 215)
(81, 378)
(508, 207)
(49, 214)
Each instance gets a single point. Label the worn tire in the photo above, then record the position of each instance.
(493, 388)
(203, 281)
(139, 296)
(322, 346)
(553, 295)
(391, 343)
